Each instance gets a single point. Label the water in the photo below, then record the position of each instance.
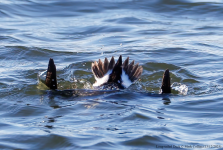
(182, 35)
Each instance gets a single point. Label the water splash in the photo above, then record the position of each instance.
(69, 83)
(181, 88)
(41, 76)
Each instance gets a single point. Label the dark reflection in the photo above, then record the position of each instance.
(49, 123)
(52, 103)
(160, 118)
(51, 120)
(80, 92)
(160, 111)
(56, 106)
(166, 101)
(124, 132)
(112, 129)
(76, 94)
(48, 131)
(49, 126)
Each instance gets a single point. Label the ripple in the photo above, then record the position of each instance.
(182, 35)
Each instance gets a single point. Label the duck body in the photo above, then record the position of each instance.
(110, 75)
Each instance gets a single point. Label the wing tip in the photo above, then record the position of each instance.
(51, 79)
(165, 87)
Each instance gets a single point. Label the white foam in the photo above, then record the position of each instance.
(181, 88)
(104, 79)
(42, 76)
(126, 82)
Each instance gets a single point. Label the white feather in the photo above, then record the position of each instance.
(104, 79)
(126, 82)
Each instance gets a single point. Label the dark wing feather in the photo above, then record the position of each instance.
(111, 64)
(133, 71)
(137, 73)
(51, 77)
(125, 64)
(131, 75)
(166, 82)
(105, 65)
(115, 76)
(94, 69)
(130, 66)
(99, 68)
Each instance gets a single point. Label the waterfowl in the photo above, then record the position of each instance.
(111, 75)
(51, 75)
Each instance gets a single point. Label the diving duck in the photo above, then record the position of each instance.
(111, 74)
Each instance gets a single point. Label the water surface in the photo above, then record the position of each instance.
(182, 35)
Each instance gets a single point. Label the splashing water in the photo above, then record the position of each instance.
(41, 76)
(71, 83)
(181, 88)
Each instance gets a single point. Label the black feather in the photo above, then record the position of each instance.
(125, 64)
(51, 77)
(115, 76)
(166, 82)
(111, 64)
(106, 63)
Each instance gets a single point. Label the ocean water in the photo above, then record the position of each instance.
(185, 36)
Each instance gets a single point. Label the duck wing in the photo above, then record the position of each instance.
(121, 74)
(51, 77)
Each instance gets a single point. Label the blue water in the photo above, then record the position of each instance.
(182, 35)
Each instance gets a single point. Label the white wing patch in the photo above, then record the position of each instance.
(104, 79)
(126, 82)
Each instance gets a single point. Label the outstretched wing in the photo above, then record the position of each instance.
(115, 76)
(102, 70)
(110, 72)
(130, 72)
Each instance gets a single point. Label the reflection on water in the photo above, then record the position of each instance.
(182, 35)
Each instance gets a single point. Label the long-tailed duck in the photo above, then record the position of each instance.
(110, 74)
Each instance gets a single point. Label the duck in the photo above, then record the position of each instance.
(110, 75)
(115, 75)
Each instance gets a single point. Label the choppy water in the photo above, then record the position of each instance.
(183, 35)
